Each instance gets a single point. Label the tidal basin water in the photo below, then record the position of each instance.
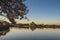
(27, 34)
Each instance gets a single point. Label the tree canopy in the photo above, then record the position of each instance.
(14, 9)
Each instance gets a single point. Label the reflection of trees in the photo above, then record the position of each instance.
(5, 27)
(31, 26)
(4, 30)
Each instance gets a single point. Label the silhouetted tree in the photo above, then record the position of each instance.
(13, 9)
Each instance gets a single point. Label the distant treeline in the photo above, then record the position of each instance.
(37, 26)
(4, 23)
(48, 26)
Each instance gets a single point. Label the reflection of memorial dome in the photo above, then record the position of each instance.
(32, 26)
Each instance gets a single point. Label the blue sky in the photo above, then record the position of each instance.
(44, 10)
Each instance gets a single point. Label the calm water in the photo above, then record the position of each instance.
(27, 34)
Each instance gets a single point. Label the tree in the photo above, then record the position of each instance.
(14, 9)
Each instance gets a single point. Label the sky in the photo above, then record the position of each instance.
(43, 11)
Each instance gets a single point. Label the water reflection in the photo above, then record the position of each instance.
(4, 30)
(16, 33)
(33, 31)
